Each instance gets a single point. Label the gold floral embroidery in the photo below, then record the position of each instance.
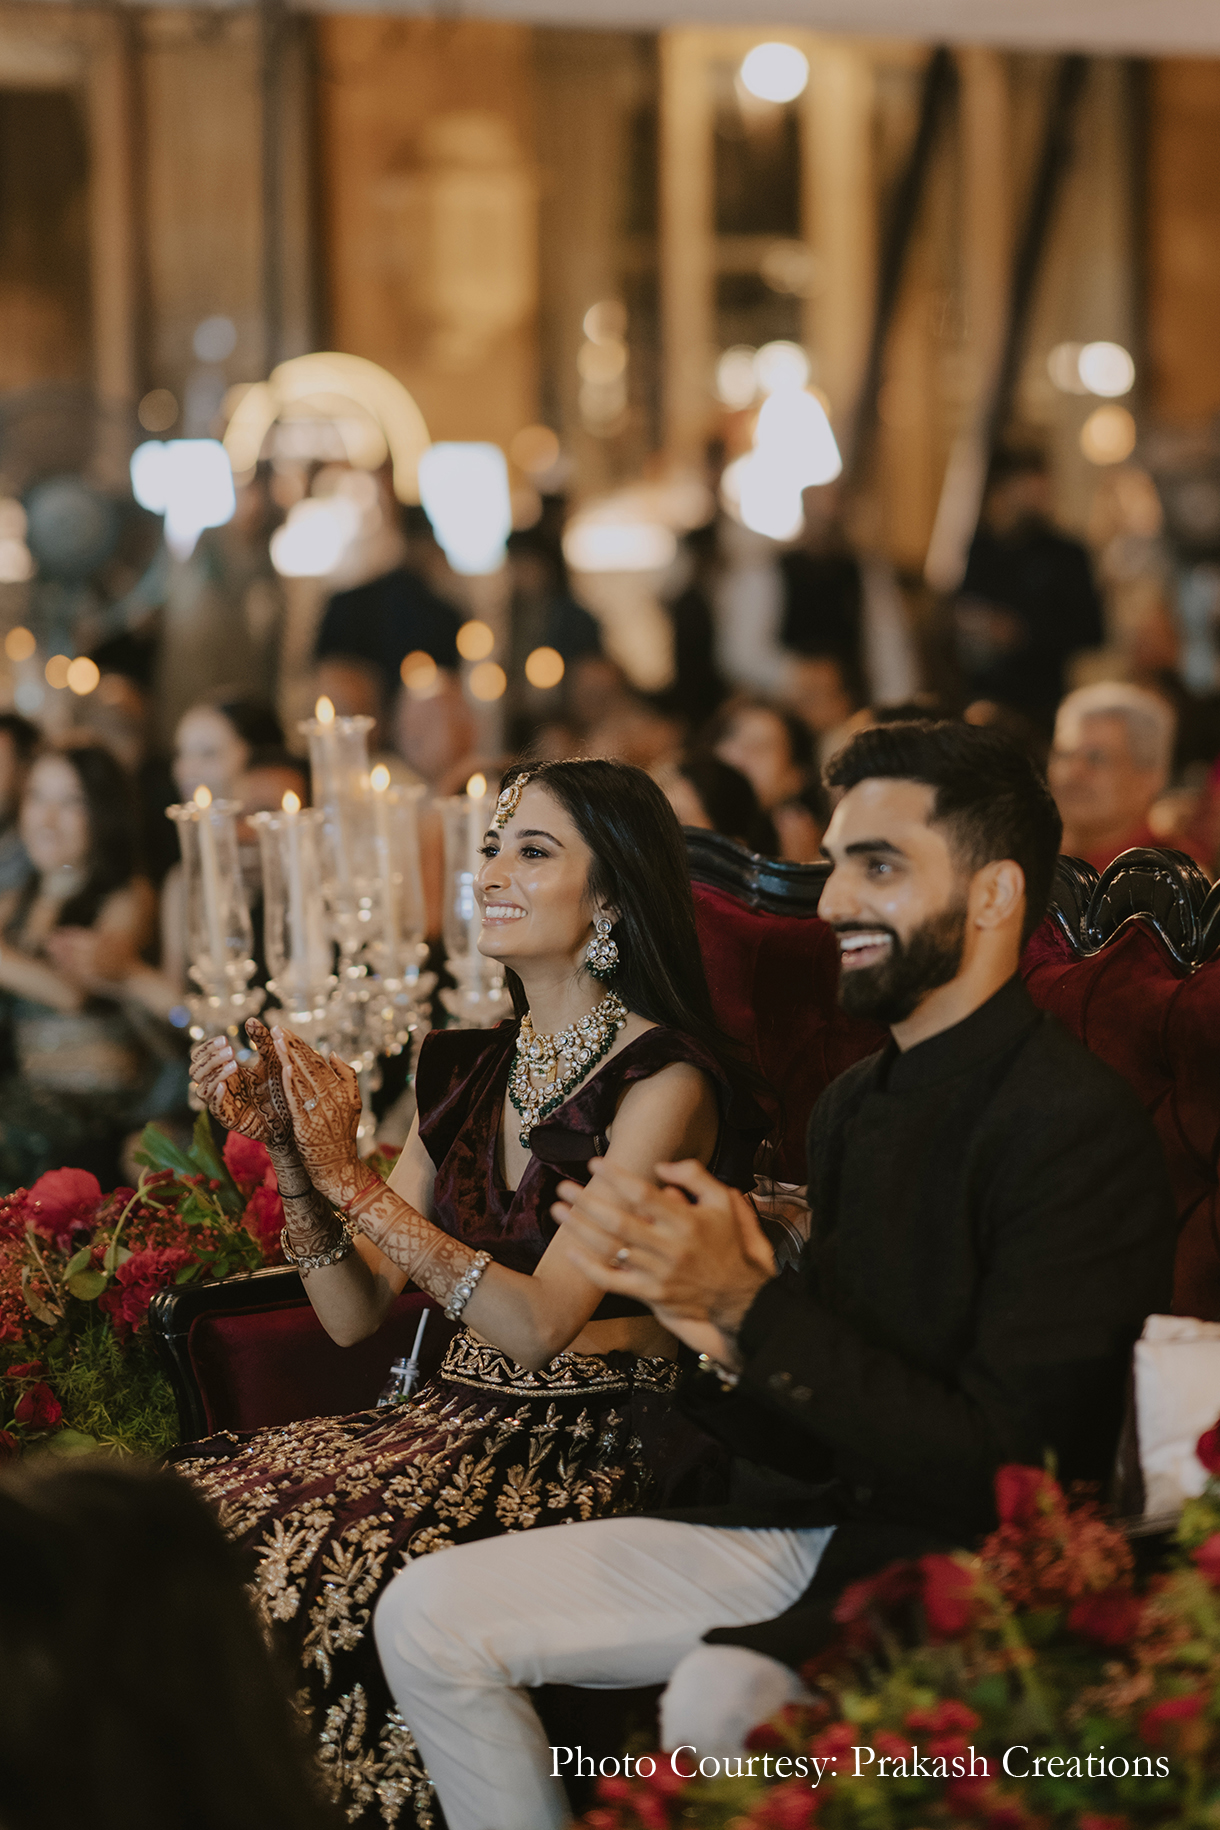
(333, 1507)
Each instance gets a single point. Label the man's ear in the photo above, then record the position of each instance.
(997, 894)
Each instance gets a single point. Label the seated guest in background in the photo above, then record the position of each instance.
(213, 745)
(86, 1061)
(1110, 761)
(712, 795)
(551, 1404)
(179, 1719)
(19, 740)
(774, 750)
(991, 1222)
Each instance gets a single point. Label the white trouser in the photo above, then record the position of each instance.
(464, 1632)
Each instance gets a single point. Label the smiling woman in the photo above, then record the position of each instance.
(553, 1402)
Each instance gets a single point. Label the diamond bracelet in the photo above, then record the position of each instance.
(317, 1261)
(464, 1288)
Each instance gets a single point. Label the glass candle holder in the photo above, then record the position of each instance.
(481, 997)
(339, 762)
(297, 929)
(219, 937)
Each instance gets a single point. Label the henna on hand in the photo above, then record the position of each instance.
(244, 1096)
(433, 1260)
(323, 1099)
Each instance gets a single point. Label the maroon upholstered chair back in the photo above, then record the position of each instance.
(1127, 962)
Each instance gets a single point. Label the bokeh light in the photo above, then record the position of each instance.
(19, 643)
(781, 367)
(82, 676)
(618, 546)
(315, 536)
(1106, 369)
(736, 382)
(1063, 367)
(158, 410)
(190, 482)
(57, 670)
(775, 72)
(475, 641)
(419, 674)
(465, 494)
(1108, 435)
(476, 787)
(488, 680)
(535, 449)
(544, 667)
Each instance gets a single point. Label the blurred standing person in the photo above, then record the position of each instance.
(86, 1065)
(699, 688)
(714, 797)
(1028, 601)
(19, 741)
(1109, 762)
(389, 617)
(774, 751)
(542, 614)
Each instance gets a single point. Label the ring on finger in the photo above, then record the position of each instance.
(622, 1256)
(310, 1104)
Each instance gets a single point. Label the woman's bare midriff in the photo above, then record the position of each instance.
(641, 1334)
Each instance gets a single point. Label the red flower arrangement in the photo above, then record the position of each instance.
(78, 1270)
(1041, 1646)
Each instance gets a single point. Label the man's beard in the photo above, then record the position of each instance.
(930, 956)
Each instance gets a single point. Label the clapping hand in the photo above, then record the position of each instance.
(323, 1098)
(695, 1262)
(244, 1096)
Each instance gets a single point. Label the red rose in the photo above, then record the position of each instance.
(38, 1408)
(793, 1805)
(264, 1217)
(950, 1748)
(246, 1161)
(950, 1597)
(137, 1281)
(30, 1370)
(1207, 1557)
(1109, 1619)
(8, 1446)
(63, 1202)
(1157, 1724)
(947, 1715)
(837, 1740)
(1208, 1448)
(886, 1742)
(885, 1590)
(1021, 1493)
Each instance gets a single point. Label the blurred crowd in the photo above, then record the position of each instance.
(778, 655)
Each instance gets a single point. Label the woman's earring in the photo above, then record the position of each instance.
(601, 955)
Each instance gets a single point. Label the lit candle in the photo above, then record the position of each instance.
(476, 788)
(379, 782)
(298, 944)
(210, 869)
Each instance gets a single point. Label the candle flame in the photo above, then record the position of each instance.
(203, 796)
(476, 787)
(291, 802)
(380, 778)
(324, 711)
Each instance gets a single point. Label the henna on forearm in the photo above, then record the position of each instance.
(312, 1223)
(433, 1260)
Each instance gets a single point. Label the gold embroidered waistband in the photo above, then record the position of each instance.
(472, 1362)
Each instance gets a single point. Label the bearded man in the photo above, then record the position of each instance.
(992, 1222)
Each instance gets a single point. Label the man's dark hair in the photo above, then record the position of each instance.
(989, 794)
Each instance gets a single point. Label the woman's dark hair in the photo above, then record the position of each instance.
(255, 721)
(989, 795)
(729, 800)
(639, 869)
(113, 856)
(136, 1692)
(800, 737)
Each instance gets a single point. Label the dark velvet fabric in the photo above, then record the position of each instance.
(460, 1084)
(260, 1367)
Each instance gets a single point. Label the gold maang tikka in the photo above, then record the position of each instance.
(506, 806)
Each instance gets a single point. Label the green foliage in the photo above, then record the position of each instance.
(115, 1395)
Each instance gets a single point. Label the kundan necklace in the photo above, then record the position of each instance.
(547, 1068)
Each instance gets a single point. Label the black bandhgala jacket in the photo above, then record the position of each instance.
(992, 1222)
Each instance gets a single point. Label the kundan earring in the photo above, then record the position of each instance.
(601, 954)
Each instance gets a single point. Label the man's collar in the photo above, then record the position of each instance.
(1006, 1015)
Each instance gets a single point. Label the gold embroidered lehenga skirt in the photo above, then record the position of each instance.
(333, 1507)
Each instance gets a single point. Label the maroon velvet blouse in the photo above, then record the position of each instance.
(460, 1085)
